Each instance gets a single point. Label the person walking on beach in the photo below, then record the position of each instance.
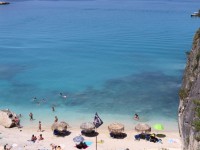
(56, 119)
(31, 116)
(40, 127)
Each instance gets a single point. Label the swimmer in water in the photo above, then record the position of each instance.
(64, 96)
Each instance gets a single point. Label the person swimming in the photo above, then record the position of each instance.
(64, 96)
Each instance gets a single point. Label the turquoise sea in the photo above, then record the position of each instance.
(114, 57)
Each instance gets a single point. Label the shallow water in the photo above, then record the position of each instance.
(114, 57)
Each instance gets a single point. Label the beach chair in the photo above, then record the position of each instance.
(60, 133)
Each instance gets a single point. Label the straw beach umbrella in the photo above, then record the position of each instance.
(59, 126)
(87, 126)
(142, 127)
(116, 128)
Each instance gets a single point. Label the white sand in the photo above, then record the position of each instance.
(15, 136)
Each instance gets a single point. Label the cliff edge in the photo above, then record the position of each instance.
(189, 95)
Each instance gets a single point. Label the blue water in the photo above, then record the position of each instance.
(114, 57)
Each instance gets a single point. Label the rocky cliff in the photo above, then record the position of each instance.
(6, 117)
(189, 94)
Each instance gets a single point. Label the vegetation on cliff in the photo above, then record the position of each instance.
(189, 94)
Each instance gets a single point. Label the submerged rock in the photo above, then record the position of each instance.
(6, 118)
(4, 3)
(189, 94)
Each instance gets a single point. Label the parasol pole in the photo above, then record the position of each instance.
(96, 138)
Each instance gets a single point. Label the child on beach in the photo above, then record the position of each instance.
(40, 127)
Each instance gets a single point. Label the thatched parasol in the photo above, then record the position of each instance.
(116, 127)
(60, 126)
(87, 126)
(142, 127)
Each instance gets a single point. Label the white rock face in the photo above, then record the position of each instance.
(6, 117)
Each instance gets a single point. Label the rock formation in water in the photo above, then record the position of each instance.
(189, 94)
(4, 3)
(6, 117)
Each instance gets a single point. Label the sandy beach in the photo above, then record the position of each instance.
(20, 139)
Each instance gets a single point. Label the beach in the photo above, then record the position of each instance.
(116, 58)
(20, 138)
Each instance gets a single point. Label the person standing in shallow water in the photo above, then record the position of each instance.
(56, 119)
(31, 116)
(136, 117)
(53, 108)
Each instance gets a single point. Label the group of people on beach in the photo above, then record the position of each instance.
(34, 138)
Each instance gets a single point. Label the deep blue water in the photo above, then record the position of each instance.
(114, 57)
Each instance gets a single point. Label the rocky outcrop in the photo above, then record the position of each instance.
(4, 3)
(189, 94)
(6, 117)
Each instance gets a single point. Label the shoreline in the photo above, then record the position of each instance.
(76, 118)
(12, 136)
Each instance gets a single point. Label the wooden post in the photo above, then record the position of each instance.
(96, 139)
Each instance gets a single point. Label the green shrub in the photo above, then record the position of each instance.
(196, 102)
(197, 111)
(183, 93)
(196, 125)
(197, 137)
(187, 140)
(196, 66)
(197, 57)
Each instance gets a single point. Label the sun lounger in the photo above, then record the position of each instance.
(142, 136)
(118, 135)
(60, 133)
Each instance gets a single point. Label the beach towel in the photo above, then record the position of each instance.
(100, 142)
(172, 141)
(62, 146)
(88, 143)
(14, 145)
